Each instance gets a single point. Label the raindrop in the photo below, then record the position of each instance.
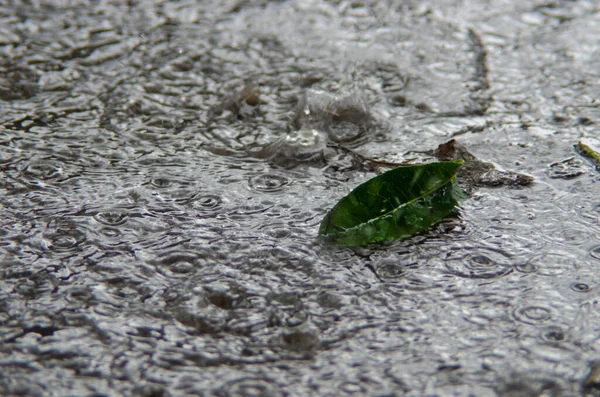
(269, 183)
(478, 263)
(532, 314)
(345, 132)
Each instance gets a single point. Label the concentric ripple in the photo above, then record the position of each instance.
(533, 314)
(552, 263)
(269, 183)
(595, 252)
(111, 218)
(62, 237)
(478, 263)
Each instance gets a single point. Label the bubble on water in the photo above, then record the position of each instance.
(478, 262)
(269, 183)
(532, 314)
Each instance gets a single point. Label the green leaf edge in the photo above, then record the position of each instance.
(340, 238)
(586, 149)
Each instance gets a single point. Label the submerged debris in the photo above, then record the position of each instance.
(475, 172)
(591, 384)
(566, 169)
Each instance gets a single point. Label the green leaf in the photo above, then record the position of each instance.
(397, 204)
(590, 147)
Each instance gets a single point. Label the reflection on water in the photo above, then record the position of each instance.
(164, 168)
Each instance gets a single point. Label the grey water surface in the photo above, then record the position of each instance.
(164, 170)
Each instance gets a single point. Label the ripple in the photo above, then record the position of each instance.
(532, 314)
(595, 252)
(552, 263)
(248, 387)
(269, 183)
(526, 268)
(553, 334)
(111, 218)
(161, 182)
(206, 204)
(176, 264)
(43, 169)
(517, 105)
(346, 132)
(390, 270)
(63, 238)
(580, 287)
(478, 263)
(110, 232)
(568, 236)
(277, 231)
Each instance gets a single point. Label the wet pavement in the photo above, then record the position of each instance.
(165, 166)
